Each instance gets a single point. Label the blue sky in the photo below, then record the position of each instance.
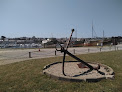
(56, 18)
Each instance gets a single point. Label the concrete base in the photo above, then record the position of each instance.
(74, 73)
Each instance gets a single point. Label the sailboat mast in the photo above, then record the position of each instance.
(92, 30)
(103, 34)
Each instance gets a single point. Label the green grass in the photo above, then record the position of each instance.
(27, 76)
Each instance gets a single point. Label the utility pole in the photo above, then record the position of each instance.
(76, 33)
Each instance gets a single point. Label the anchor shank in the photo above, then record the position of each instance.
(67, 52)
(69, 39)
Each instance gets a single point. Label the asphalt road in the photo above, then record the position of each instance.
(8, 56)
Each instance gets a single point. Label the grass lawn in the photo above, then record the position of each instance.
(27, 76)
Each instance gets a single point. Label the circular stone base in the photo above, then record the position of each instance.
(74, 73)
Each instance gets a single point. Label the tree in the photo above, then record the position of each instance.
(3, 38)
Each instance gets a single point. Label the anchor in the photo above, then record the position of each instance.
(82, 63)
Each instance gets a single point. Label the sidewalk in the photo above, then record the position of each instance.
(12, 55)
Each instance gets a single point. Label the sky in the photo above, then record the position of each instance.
(56, 18)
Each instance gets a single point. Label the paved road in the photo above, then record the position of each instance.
(16, 55)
